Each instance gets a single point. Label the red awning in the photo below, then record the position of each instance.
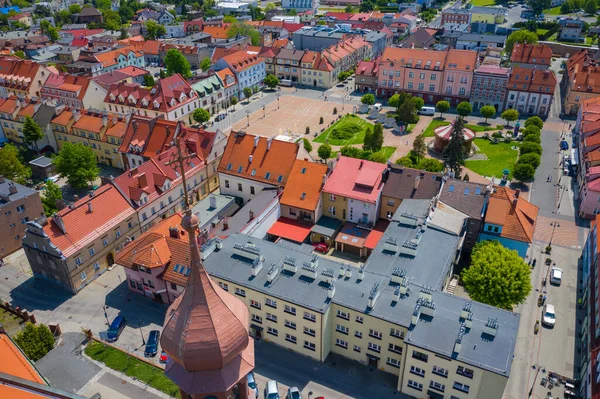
(376, 234)
(290, 230)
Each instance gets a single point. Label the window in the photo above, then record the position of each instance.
(390, 202)
(358, 334)
(240, 292)
(272, 331)
(357, 348)
(410, 85)
(256, 318)
(309, 345)
(433, 76)
(96, 266)
(411, 74)
(173, 286)
(91, 251)
(255, 304)
(437, 386)
(132, 283)
(21, 208)
(421, 86)
(118, 233)
(341, 343)
(394, 332)
(342, 329)
(267, 175)
(431, 87)
(309, 331)
(240, 187)
(393, 362)
(290, 324)
(271, 317)
(226, 183)
(395, 348)
(252, 190)
(83, 276)
(310, 316)
(420, 356)
(290, 338)
(271, 302)
(224, 286)
(332, 197)
(421, 75)
(331, 210)
(461, 387)
(289, 309)
(78, 261)
(343, 315)
(374, 333)
(464, 372)
(417, 371)
(415, 385)
(359, 319)
(440, 371)
(374, 347)
(25, 220)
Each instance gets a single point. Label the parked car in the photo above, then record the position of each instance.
(163, 357)
(556, 276)
(564, 145)
(220, 117)
(272, 390)
(152, 343)
(116, 328)
(548, 315)
(252, 383)
(427, 111)
(294, 393)
(320, 247)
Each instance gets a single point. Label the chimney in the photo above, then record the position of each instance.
(251, 213)
(269, 141)
(76, 115)
(256, 139)
(75, 197)
(12, 189)
(416, 182)
(250, 158)
(143, 180)
(104, 120)
(324, 178)
(59, 222)
(517, 193)
(173, 232)
(213, 202)
(361, 164)
(90, 209)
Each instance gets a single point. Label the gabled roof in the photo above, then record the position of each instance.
(466, 197)
(225, 74)
(65, 82)
(217, 32)
(150, 135)
(368, 68)
(532, 80)
(516, 215)
(356, 179)
(242, 60)
(403, 183)
(537, 54)
(303, 189)
(110, 58)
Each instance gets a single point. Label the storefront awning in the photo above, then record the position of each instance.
(290, 230)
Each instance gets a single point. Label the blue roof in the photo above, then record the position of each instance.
(6, 10)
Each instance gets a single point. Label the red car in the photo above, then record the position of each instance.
(321, 248)
(163, 357)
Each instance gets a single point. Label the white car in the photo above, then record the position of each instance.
(556, 276)
(293, 393)
(548, 316)
(272, 390)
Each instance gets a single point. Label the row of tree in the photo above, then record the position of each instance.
(530, 151)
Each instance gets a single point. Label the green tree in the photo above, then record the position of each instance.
(510, 115)
(395, 101)
(201, 115)
(52, 193)
(378, 157)
(112, 20)
(271, 81)
(103, 4)
(430, 165)
(270, 7)
(352, 152)
(175, 62)
(538, 6)
(307, 145)
(324, 151)
(77, 163)
(591, 7)
(535, 121)
(405, 161)
(44, 25)
(292, 12)
(377, 141)
(20, 54)
(32, 132)
(419, 102)
(35, 341)
(464, 109)
(532, 138)
(52, 34)
(487, 111)
(419, 146)
(11, 166)
(523, 172)
(247, 93)
(74, 9)
(497, 276)
(368, 99)
(368, 140)
(349, 9)
(243, 29)
(234, 101)
(531, 129)
(229, 19)
(256, 13)
(149, 80)
(442, 106)
(20, 3)
(455, 150)
(205, 64)
(530, 147)
(532, 159)
(520, 36)
(154, 30)
(406, 112)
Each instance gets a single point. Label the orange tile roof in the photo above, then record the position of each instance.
(303, 188)
(532, 80)
(517, 216)
(402, 56)
(277, 160)
(27, 110)
(151, 135)
(217, 32)
(9, 105)
(465, 60)
(117, 129)
(63, 118)
(242, 60)
(89, 123)
(109, 208)
(538, 54)
(223, 74)
(109, 58)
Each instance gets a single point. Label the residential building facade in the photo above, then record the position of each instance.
(579, 81)
(489, 87)
(531, 91)
(73, 91)
(248, 69)
(535, 56)
(301, 200)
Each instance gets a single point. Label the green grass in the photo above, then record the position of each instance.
(541, 32)
(11, 323)
(479, 129)
(429, 132)
(483, 2)
(589, 40)
(132, 367)
(349, 122)
(388, 151)
(552, 11)
(500, 156)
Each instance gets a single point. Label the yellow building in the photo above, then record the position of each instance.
(12, 124)
(317, 71)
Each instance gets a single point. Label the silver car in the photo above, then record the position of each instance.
(556, 276)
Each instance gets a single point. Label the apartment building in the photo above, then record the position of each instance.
(579, 81)
(352, 192)
(21, 77)
(230, 86)
(588, 148)
(73, 91)
(97, 130)
(301, 200)
(210, 90)
(347, 54)
(534, 56)
(300, 5)
(317, 71)
(14, 111)
(18, 205)
(287, 64)
(78, 243)
(172, 99)
(570, 29)
(251, 164)
(455, 16)
(489, 87)
(366, 76)
(531, 91)
(268, 54)
(247, 67)
(119, 58)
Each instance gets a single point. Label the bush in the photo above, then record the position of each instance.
(534, 121)
(498, 135)
(345, 131)
(307, 145)
(352, 152)
(324, 151)
(532, 159)
(334, 110)
(529, 147)
(532, 138)
(320, 120)
(307, 130)
(35, 341)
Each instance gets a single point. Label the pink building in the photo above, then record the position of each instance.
(588, 174)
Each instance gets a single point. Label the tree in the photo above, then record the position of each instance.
(103, 4)
(591, 7)
(52, 193)
(11, 166)
(520, 36)
(442, 106)
(270, 7)
(349, 9)
(175, 62)
(52, 34)
(229, 19)
(32, 132)
(205, 64)
(307, 145)
(352, 152)
(532, 138)
(20, 54)
(243, 29)
(530, 147)
(406, 111)
(201, 115)
(419, 102)
(394, 101)
(368, 99)
(271, 81)
(531, 129)
(149, 80)
(523, 172)
(532, 159)
(154, 30)
(497, 276)
(247, 92)
(419, 146)
(324, 151)
(77, 163)
(35, 341)
(487, 111)
(234, 101)
(368, 140)
(377, 141)
(510, 115)
(112, 20)
(256, 13)
(430, 165)
(405, 161)
(464, 108)
(378, 157)
(455, 150)
(74, 9)
(538, 6)
(535, 121)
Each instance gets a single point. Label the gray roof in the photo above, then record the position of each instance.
(287, 54)
(44, 115)
(416, 207)
(488, 10)
(41, 162)
(326, 226)
(464, 196)
(225, 206)
(421, 38)
(208, 85)
(373, 36)
(401, 183)
(257, 204)
(21, 192)
(475, 37)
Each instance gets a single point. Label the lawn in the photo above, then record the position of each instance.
(132, 367)
(483, 2)
(11, 323)
(552, 11)
(479, 128)
(429, 132)
(500, 156)
(388, 151)
(541, 32)
(347, 131)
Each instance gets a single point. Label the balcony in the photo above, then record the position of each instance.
(365, 225)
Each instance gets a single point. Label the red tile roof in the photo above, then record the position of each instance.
(242, 60)
(517, 216)
(532, 80)
(74, 84)
(368, 68)
(536, 54)
(356, 178)
(303, 189)
(150, 136)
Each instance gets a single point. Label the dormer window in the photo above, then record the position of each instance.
(156, 104)
(182, 97)
(173, 102)
(112, 97)
(145, 102)
(121, 98)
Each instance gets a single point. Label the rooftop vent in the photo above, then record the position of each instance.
(425, 293)
(373, 295)
(348, 272)
(361, 273)
(331, 290)
(309, 269)
(329, 275)
(398, 275)
(461, 334)
(208, 247)
(289, 264)
(408, 219)
(248, 251)
(273, 272)
(404, 288)
(491, 327)
(391, 244)
(427, 307)
(257, 265)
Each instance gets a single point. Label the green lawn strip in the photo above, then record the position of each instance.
(388, 151)
(483, 2)
(479, 128)
(429, 131)
(132, 367)
(500, 156)
(553, 11)
(10, 322)
(541, 32)
(347, 122)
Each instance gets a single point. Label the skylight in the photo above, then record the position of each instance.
(303, 171)
(451, 188)
(253, 172)
(280, 179)
(477, 191)
(240, 169)
(229, 166)
(267, 175)
(466, 191)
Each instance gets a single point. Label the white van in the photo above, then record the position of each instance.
(377, 107)
(427, 111)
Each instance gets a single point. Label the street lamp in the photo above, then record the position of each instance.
(142, 334)
(248, 117)
(278, 95)
(554, 226)
(264, 113)
(105, 315)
